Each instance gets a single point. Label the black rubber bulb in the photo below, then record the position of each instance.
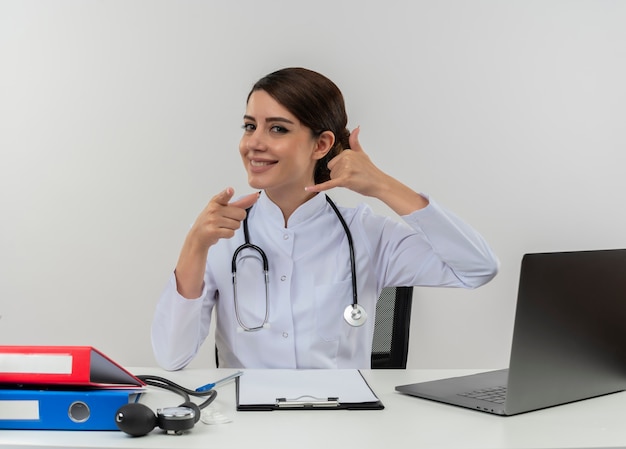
(135, 419)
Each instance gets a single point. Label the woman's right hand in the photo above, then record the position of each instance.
(219, 220)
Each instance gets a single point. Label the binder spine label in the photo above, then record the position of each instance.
(36, 363)
(27, 410)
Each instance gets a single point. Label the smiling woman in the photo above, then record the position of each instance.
(279, 152)
(295, 145)
(315, 101)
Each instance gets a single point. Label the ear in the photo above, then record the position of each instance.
(324, 142)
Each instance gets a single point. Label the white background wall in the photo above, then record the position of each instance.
(119, 120)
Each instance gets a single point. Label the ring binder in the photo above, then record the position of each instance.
(57, 409)
(62, 365)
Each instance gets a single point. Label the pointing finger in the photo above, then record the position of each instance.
(246, 201)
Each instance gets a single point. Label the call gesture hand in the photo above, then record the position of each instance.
(352, 169)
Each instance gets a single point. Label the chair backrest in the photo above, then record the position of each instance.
(390, 346)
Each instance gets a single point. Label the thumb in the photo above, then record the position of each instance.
(354, 139)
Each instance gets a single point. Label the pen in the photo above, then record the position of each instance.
(212, 385)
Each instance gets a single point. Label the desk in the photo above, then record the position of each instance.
(405, 422)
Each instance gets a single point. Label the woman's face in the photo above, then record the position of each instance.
(278, 151)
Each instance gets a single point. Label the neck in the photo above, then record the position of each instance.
(289, 202)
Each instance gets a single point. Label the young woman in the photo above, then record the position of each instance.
(302, 313)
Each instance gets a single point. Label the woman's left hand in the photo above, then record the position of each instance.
(352, 169)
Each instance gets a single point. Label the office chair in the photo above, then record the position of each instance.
(390, 346)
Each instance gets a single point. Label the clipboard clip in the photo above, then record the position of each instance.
(307, 402)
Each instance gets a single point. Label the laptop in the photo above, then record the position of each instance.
(569, 338)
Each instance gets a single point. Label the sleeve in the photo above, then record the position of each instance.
(436, 249)
(179, 326)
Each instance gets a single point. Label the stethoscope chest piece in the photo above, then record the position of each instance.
(355, 315)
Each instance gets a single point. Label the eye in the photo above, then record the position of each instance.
(249, 127)
(279, 129)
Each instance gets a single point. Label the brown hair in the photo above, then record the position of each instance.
(316, 101)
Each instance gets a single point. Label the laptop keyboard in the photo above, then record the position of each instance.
(493, 394)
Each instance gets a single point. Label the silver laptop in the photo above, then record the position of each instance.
(569, 338)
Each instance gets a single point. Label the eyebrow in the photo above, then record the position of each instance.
(270, 119)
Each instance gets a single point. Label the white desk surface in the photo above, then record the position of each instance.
(406, 421)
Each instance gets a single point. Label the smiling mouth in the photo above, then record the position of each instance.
(261, 163)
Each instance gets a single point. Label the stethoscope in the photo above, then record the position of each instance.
(354, 314)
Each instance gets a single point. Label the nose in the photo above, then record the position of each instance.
(254, 141)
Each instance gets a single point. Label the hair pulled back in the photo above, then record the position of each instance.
(316, 102)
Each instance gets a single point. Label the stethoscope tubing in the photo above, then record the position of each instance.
(248, 245)
(354, 314)
(355, 300)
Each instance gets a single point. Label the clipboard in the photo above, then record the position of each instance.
(293, 389)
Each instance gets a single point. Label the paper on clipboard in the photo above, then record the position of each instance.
(264, 389)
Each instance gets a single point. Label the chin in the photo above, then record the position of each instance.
(256, 184)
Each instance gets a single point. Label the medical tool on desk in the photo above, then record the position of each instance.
(354, 314)
(137, 419)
